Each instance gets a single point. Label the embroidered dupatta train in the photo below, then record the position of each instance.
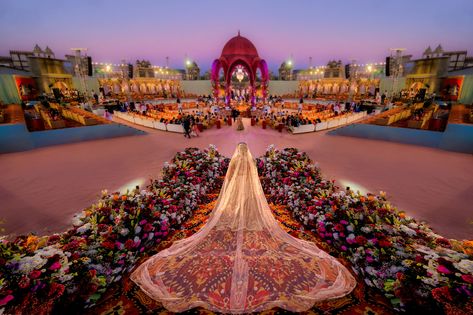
(242, 261)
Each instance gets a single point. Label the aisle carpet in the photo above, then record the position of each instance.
(127, 298)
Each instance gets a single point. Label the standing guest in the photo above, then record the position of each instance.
(179, 105)
(195, 128)
(234, 114)
(187, 127)
(96, 97)
(383, 97)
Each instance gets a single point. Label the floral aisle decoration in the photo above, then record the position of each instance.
(77, 266)
(414, 267)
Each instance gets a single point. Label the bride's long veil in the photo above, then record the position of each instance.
(241, 261)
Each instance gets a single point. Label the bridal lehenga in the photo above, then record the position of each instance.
(242, 261)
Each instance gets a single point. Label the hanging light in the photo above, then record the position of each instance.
(240, 74)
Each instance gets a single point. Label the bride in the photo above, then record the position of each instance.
(241, 261)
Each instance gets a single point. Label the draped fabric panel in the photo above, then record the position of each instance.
(242, 261)
(8, 90)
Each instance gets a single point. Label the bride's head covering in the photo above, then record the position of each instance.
(242, 148)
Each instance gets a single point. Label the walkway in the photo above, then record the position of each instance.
(40, 190)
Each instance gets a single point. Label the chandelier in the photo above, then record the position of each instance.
(240, 74)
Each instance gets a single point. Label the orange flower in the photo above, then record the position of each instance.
(402, 215)
(115, 197)
(468, 247)
(32, 242)
(124, 197)
(362, 199)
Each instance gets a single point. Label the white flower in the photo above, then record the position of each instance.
(77, 219)
(124, 231)
(366, 229)
(465, 266)
(413, 225)
(407, 230)
(84, 228)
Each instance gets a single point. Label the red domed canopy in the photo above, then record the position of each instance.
(239, 45)
(239, 52)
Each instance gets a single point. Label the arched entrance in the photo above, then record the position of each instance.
(239, 53)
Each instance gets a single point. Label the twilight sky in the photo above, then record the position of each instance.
(113, 30)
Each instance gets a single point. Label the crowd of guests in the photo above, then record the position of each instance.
(279, 114)
(209, 110)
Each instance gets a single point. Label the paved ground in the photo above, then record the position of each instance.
(40, 190)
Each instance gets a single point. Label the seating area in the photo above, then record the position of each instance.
(149, 122)
(330, 123)
(392, 116)
(82, 119)
(58, 116)
(52, 121)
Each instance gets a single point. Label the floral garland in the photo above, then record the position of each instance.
(414, 267)
(77, 266)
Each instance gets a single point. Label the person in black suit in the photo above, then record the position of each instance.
(187, 127)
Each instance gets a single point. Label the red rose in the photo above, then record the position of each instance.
(24, 282)
(108, 244)
(384, 243)
(35, 274)
(361, 240)
(129, 244)
(92, 272)
(400, 276)
(102, 227)
(419, 259)
(53, 239)
(443, 242)
(56, 290)
(467, 278)
(441, 294)
(148, 227)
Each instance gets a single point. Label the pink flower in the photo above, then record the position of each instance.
(443, 269)
(344, 248)
(344, 222)
(6, 299)
(369, 259)
(55, 266)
